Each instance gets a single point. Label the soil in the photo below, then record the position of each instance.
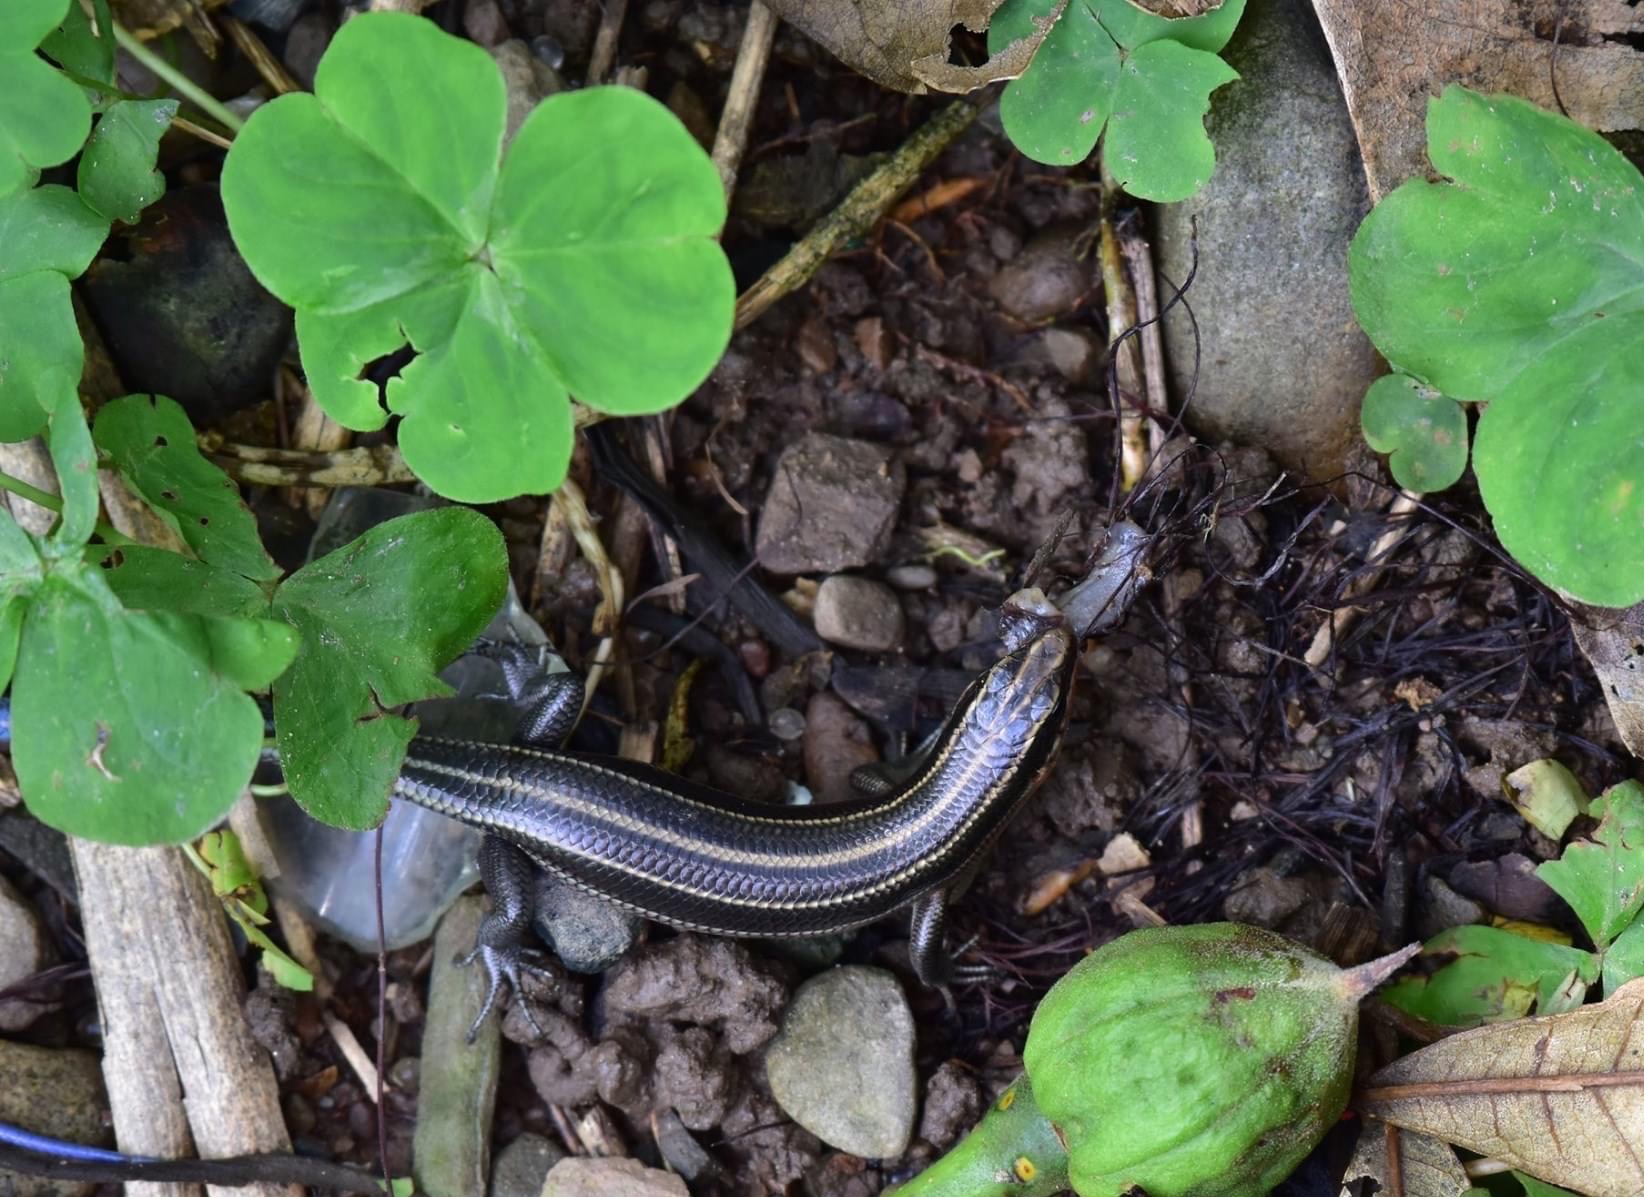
(1314, 801)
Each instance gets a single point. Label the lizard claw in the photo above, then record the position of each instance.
(502, 964)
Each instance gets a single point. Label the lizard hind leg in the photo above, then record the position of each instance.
(502, 945)
(549, 703)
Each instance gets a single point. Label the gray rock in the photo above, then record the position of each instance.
(837, 741)
(953, 1104)
(1284, 364)
(56, 1092)
(842, 1065)
(912, 577)
(528, 80)
(1508, 886)
(831, 506)
(522, 1167)
(858, 613)
(1264, 897)
(595, 1177)
(457, 1095)
(1047, 278)
(589, 934)
(306, 43)
(1443, 908)
(1073, 352)
(42, 850)
(24, 951)
(482, 20)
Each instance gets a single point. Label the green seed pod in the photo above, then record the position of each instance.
(1197, 1061)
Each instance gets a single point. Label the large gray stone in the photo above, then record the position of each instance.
(1284, 364)
(842, 1065)
(831, 505)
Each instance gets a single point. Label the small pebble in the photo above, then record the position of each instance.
(1047, 279)
(589, 934)
(836, 742)
(521, 1168)
(786, 724)
(858, 613)
(911, 577)
(581, 1176)
(482, 21)
(1074, 353)
(842, 1065)
(831, 506)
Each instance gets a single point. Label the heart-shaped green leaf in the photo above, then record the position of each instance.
(1424, 432)
(1108, 64)
(1520, 283)
(43, 117)
(117, 175)
(583, 261)
(50, 237)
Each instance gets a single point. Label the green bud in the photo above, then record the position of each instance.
(1200, 1061)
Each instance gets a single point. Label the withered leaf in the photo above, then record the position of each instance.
(1427, 1167)
(1172, 10)
(1561, 1097)
(903, 44)
(1390, 57)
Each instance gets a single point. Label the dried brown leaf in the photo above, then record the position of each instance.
(1614, 644)
(1427, 1167)
(1391, 55)
(903, 44)
(1172, 10)
(1561, 1097)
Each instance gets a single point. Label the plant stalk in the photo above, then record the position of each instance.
(1013, 1152)
(176, 80)
(44, 498)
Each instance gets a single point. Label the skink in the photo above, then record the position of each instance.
(697, 858)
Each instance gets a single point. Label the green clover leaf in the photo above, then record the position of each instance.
(44, 118)
(50, 237)
(1520, 283)
(152, 444)
(76, 46)
(1603, 878)
(1425, 432)
(117, 175)
(1108, 64)
(581, 262)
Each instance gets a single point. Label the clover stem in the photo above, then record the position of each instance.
(179, 82)
(44, 498)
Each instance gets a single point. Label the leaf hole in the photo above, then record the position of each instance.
(205, 521)
(170, 496)
(379, 372)
(160, 442)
